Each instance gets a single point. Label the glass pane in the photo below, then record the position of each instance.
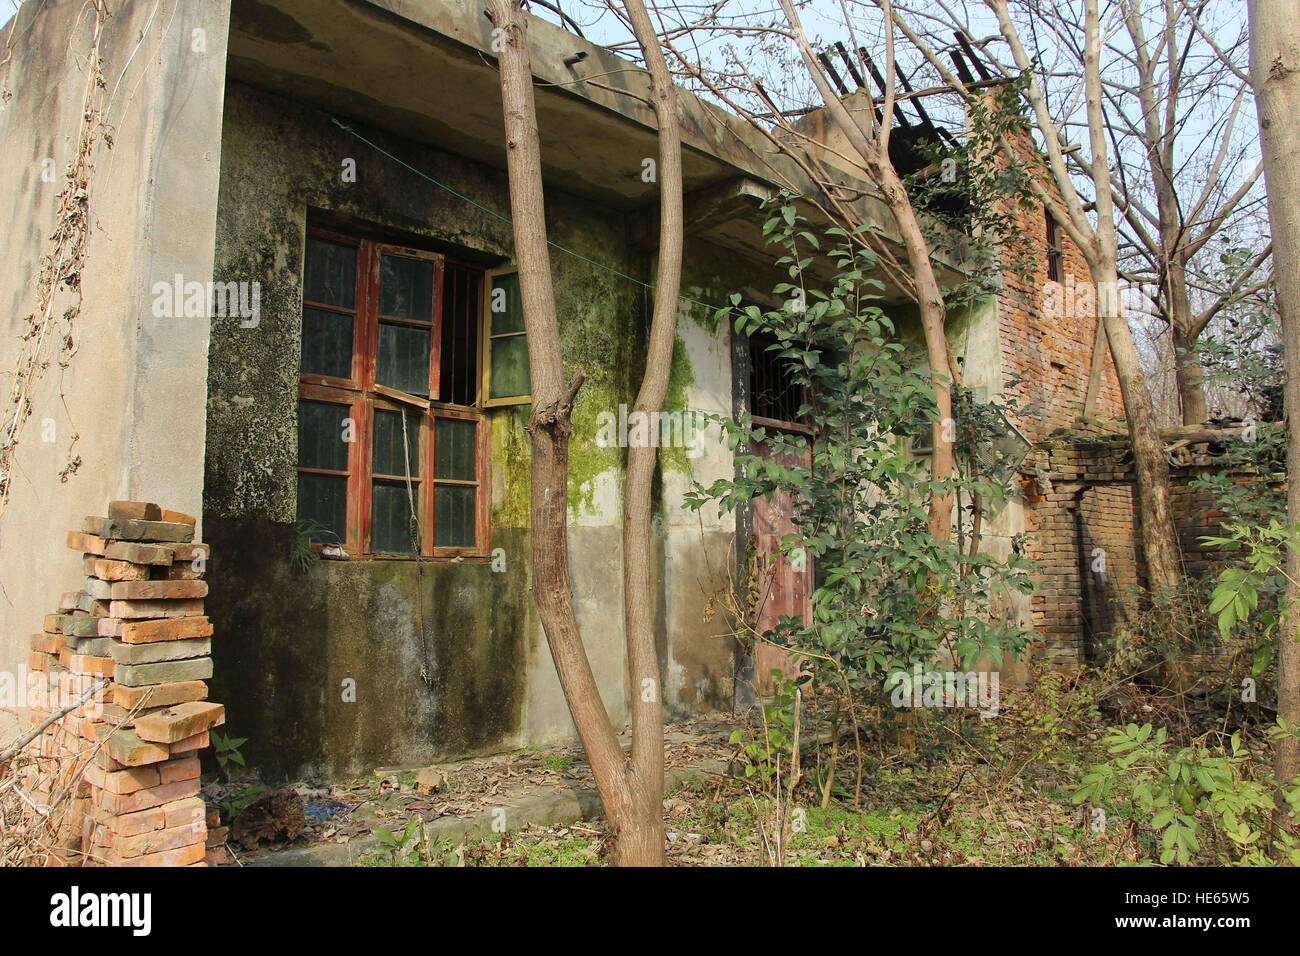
(390, 519)
(387, 458)
(453, 449)
(324, 499)
(506, 305)
(510, 376)
(406, 288)
(320, 436)
(330, 274)
(326, 343)
(403, 359)
(453, 516)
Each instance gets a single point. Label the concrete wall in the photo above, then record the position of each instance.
(290, 640)
(129, 376)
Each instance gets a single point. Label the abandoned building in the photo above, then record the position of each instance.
(328, 180)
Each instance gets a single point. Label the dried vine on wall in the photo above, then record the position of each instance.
(60, 272)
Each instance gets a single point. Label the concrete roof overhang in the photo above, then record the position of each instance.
(424, 69)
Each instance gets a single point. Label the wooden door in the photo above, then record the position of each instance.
(784, 590)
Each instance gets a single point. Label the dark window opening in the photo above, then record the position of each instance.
(774, 394)
(460, 319)
(1055, 254)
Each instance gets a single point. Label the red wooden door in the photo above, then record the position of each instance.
(784, 589)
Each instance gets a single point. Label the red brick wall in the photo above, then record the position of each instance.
(1083, 500)
(1052, 353)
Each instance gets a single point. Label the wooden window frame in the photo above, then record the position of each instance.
(363, 396)
(1055, 249)
(485, 349)
(356, 407)
(482, 453)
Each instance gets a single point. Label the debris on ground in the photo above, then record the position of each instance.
(275, 819)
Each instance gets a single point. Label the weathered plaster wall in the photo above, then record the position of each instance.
(133, 391)
(293, 639)
(976, 335)
(700, 655)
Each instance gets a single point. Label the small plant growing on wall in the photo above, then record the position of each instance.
(306, 532)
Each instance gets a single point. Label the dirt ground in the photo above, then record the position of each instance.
(392, 797)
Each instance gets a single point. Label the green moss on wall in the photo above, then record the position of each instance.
(511, 467)
(587, 460)
(680, 378)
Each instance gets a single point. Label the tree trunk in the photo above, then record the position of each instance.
(550, 425)
(1275, 74)
(1190, 376)
(642, 841)
(1188, 373)
(1151, 468)
(929, 300)
(873, 149)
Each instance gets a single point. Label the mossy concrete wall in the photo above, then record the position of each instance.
(290, 641)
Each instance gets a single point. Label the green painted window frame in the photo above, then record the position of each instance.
(489, 284)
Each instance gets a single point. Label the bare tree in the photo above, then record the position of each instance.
(1092, 226)
(1275, 74)
(1182, 165)
(1176, 198)
(870, 141)
(867, 141)
(1098, 240)
(631, 789)
(646, 773)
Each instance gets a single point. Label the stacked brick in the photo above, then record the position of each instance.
(138, 623)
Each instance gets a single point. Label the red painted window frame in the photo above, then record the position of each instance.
(362, 396)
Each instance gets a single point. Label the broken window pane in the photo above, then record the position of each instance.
(403, 359)
(453, 521)
(509, 375)
(323, 499)
(390, 519)
(330, 274)
(387, 458)
(326, 343)
(406, 288)
(453, 449)
(320, 436)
